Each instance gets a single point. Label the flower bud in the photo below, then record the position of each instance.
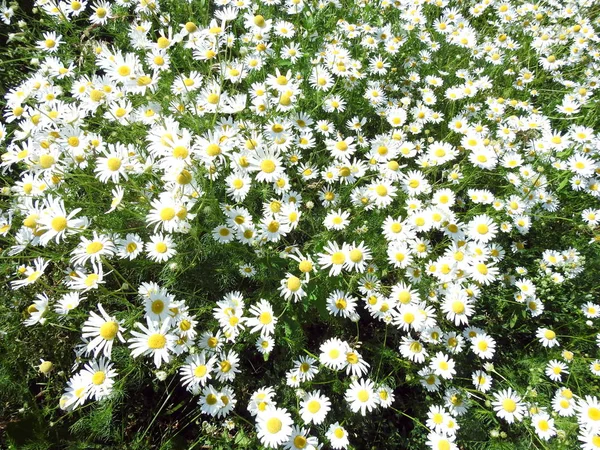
(45, 367)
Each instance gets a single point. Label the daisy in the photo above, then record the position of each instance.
(227, 367)
(356, 366)
(442, 365)
(101, 13)
(300, 440)
(547, 337)
(361, 396)
(267, 163)
(76, 392)
(85, 281)
(396, 117)
(441, 442)
(37, 310)
(50, 43)
(305, 264)
(306, 368)
(399, 254)
(165, 214)
(595, 367)
(67, 303)
(262, 319)
(482, 381)
(482, 272)
(563, 402)
(56, 224)
(334, 257)
(160, 248)
(101, 378)
(590, 439)
(590, 310)
(341, 303)
(155, 340)
(555, 369)
(413, 349)
(508, 405)
(197, 370)
(274, 426)
(386, 396)
(211, 342)
(429, 380)
(102, 330)
(291, 288)
(238, 186)
(223, 234)
(118, 193)
(314, 407)
(114, 163)
(261, 400)
(228, 401)
(436, 416)
(265, 344)
(458, 307)
(543, 425)
(32, 273)
(321, 79)
(588, 413)
(337, 435)
(482, 228)
(210, 401)
(483, 346)
(333, 354)
(158, 304)
(409, 317)
(382, 192)
(336, 220)
(93, 249)
(129, 247)
(272, 229)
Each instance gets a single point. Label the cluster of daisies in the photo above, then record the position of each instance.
(424, 181)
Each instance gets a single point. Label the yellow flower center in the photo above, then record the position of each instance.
(509, 405)
(338, 258)
(293, 283)
(109, 330)
(46, 161)
(157, 341)
(300, 441)
(162, 42)
(167, 214)
(157, 306)
(59, 223)
(482, 228)
(274, 425)
(113, 164)
(99, 377)
(313, 406)
(267, 166)
(124, 71)
(458, 307)
(594, 414)
(200, 371)
(362, 395)
(265, 318)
